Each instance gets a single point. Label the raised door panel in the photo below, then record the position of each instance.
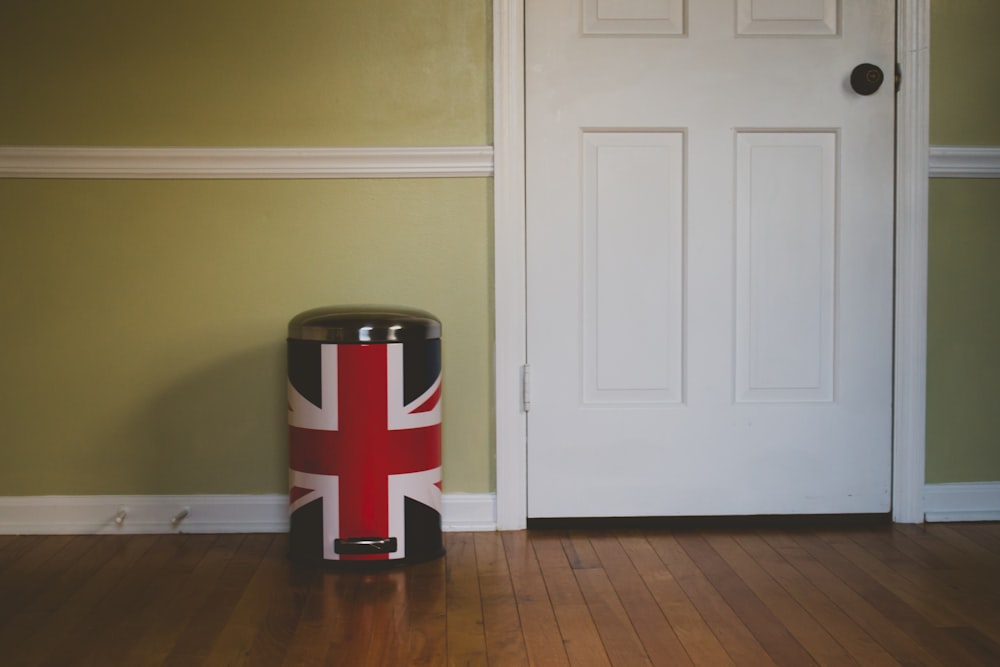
(788, 17)
(786, 189)
(633, 221)
(633, 17)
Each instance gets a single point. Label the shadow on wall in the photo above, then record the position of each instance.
(220, 430)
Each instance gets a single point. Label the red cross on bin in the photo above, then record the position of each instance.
(364, 451)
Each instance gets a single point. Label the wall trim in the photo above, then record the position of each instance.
(160, 514)
(965, 162)
(968, 501)
(910, 317)
(509, 279)
(130, 162)
(242, 163)
(468, 512)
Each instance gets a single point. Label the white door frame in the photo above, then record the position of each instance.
(510, 303)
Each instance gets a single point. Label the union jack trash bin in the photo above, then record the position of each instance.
(364, 431)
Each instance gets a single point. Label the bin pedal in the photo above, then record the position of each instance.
(365, 545)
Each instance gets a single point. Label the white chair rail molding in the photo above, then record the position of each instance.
(245, 162)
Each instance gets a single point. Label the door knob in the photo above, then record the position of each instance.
(866, 78)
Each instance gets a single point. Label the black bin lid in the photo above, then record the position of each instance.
(364, 324)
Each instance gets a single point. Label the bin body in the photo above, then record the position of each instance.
(364, 423)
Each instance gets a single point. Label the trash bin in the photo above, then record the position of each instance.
(364, 422)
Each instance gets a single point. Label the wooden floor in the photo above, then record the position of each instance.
(884, 595)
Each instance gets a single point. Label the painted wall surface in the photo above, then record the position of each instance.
(965, 72)
(142, 347)
(963, 370)
(244, 73)
(963, 355)
(144, 322)
(143, 350)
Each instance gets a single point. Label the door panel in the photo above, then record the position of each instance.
(632, 257)
(709, 220)
(786, 185)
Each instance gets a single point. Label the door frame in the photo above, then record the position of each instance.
(510, 284)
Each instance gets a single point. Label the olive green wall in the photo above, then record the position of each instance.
(144, 321)
(142, 344)
(244, 72)
(965, 73)
(963, 338)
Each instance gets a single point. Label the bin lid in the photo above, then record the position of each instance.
(364, 324)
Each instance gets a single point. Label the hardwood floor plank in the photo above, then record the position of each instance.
(234, 642)
(390, 616)
(983, 649)
(968, 571)
(76, 620)
(974, 586)
(613, 623)
(700, 643)
(209, 620)
(733, 634)
(972, 560)
(772, 635)
(577, 630)
(18, 547)
(284, 585)
(852, 636)
(929, 539)
(426, 592)
(580, 552)
(985, 535)
(317, 624)
(501, 623)
(61, 578)
(877, 597)
(921, 587)
(354, 631)
(897, 643)
(809, 633)
(119, 619)
(466, 640)
(957, 536)
(917, 550)
(182, 594)
(901, 614)
(27, 574)
(653, 629)
(372, 598)
(891, 576)
(542, 638)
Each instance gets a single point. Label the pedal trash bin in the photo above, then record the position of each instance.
(364, 424)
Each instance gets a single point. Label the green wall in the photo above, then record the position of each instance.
(965, 72)
(963, 366)
(244, 72)
(144, 321)
(142, 350)
(963, 337)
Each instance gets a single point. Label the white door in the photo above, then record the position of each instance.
(710, 232)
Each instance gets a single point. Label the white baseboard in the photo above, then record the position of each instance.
(467, 512)
(267, 513)
(977, 501)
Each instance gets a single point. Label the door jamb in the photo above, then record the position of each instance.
(510, 297)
